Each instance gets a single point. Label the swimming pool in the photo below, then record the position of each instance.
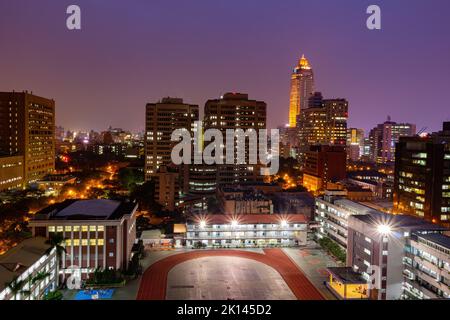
(94, 294)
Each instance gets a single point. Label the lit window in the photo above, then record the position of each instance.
(59, 228)
(76, 228)
(76, 242)
(92, 228)
(100, 228)
(100, 242)
(51, 229)
(67, 228)
(111, 254)
(92, 242)
(84, 228)
(84, 242)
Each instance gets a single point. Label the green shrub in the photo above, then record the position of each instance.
(54, 295)
(333, 248)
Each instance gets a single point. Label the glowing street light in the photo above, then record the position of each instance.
(234, 223)
(202, 224)
(284, 223)
(384, 229)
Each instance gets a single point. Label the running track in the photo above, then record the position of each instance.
(154, 281)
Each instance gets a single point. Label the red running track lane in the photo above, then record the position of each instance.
(154, 281)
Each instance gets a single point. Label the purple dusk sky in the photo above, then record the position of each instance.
(129, 53)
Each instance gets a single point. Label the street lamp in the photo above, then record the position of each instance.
(384, 229)
(202, 224)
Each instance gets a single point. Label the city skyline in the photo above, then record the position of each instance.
(89, 76)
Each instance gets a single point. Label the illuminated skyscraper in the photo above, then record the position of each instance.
(236, 111)
(422, 176)
(302, 88)
(162, 118)
(384, 137)
(323, 122)
(27, 129)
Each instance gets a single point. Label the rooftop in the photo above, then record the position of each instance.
(440, 239)
(397, 221)
(17, 260)
(94, 209)
(253, 218)
(346, 275)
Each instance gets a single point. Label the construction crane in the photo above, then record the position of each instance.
(422, 131)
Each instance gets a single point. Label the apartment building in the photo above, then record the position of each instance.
(162, 118)
(11, 172)
(427, 267)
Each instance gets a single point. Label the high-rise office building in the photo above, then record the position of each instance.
(302, 87)
(162, 118)
(422, 176)
(236, 111)
(384, 137)
(27, 128)
(323, 122)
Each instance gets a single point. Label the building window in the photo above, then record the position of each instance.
(111, 254)
(84, 228)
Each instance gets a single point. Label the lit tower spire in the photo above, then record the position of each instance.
(302, 87)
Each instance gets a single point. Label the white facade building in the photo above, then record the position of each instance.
(27, 272)
(332, 212)
(250, 230)
(427, 267)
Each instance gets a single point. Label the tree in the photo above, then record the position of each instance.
(333, 248)
(55, 241)
(53, 295)
(142, 223)
(15, 286)
(145, 196)
(213, 205)
(130, 177)
(41, 275)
